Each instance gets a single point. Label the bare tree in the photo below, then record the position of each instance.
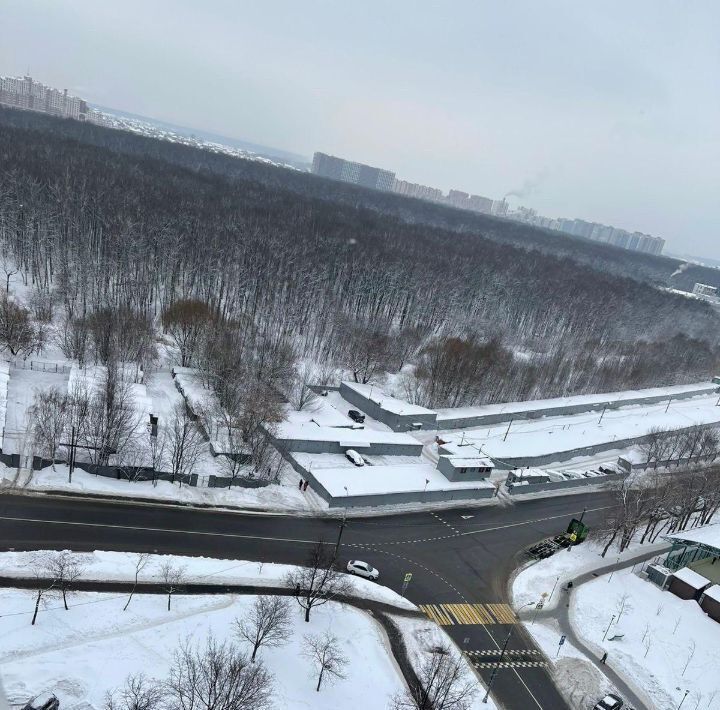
(324, 653)
(50, 417)
(139, 693)
(141, 561)
(623, 605)
(17, 332)
(691, 652)
(319, 582)
(173, 577)
(442, 684)
(217, 677)
(186, 321)
(267, 623)
(184, 444)
(9, 269)
(43, 585)
(65, 569)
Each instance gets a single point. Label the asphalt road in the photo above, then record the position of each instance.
(460, 559)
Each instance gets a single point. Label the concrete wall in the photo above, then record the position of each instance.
(387, 498)
(562, 485)
(560, 456)
(333, 447)
(711, 607)
(685, 591)
(504, 417)
(397, 422)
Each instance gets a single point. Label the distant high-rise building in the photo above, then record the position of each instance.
(24, 93)
(500, 207)
(478, 203)
(335, 168)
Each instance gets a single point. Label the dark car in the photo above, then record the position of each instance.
(609, 702)
(356, 416)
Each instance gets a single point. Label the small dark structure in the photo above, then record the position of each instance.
(687, 584)
(43, 702)
(710, 602)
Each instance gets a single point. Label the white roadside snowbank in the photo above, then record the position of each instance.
(120, 566)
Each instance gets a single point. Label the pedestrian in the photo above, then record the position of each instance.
(300, 484)
(604, 658)
(305, 485)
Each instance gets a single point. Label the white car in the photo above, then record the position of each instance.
(355, 457)
(362, 569)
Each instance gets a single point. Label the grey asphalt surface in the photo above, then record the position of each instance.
(459, 556)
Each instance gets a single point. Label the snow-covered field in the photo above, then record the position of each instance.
(82, 653)
(668, 645)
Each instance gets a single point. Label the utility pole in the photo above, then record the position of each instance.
(608, 628)
(668, 405)
(603, 414)
(71, 462)
(507, 431)
(342, 526)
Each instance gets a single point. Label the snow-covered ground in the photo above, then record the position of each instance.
(668, 645)
(82, 653)
(284, 496)
(120, 566)
(550, 435)
(548, 576)
(422, 635)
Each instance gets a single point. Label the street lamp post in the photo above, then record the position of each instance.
(683, 699)
(502, 653)
(608, 628)
(342, 524)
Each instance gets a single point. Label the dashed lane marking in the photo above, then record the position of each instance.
(445, 522)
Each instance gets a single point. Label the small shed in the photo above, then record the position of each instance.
(464, 468)
(687, 584)
(710, 602)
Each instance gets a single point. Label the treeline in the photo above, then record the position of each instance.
(99, 232)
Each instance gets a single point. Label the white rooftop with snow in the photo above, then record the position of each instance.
(708, 535)
(580, 399)
(713, 592)
(386, 402)
(355, 437)
(691, 578)
(469, 461)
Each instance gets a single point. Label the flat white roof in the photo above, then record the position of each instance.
(693, 579)
(376, 480)
(470, 461)
(581, 399)
(386, 402)
(350, 437)
(706, 535)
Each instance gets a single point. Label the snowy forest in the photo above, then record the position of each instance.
(283, 277)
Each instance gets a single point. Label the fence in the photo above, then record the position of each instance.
(40, 366)
(560, 485)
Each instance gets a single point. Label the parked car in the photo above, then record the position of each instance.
(362, 569)
(609, 702)
(355, 457)
(356, 416)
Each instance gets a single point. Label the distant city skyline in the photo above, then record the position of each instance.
(481, 97)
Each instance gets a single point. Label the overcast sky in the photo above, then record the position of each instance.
(608, 111)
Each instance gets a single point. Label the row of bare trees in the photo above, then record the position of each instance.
(660, 503)
(675, 447)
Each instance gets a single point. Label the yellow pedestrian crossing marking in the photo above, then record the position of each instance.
(469, 614)
(503, 613)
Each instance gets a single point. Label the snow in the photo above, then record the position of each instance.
(390, 478)
(550, 435)
(551, 574)
(349, 437)
(660, 672)
(120, 566)
(422, 635)
(691, 578)
(279, 497)
(548, 405)
(713, 592)
(385, 401)
(82, 653)
(4, 379)
(469, 462)
(708, 535)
